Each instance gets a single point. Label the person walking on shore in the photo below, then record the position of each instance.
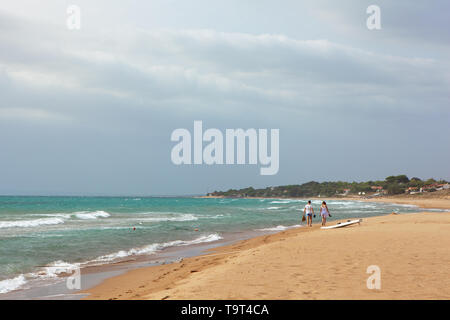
(308, 211)
(324, 212)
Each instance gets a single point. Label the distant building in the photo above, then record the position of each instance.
(442, 186)
(376, 188)
(433, 186)
(411, 189)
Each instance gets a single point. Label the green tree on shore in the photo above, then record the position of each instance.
(392, 184)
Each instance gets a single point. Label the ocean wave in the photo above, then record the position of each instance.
(217, 216)
(30, 223)
(86, 215)
(287, 201)
(183, 217)
(273, 208)
(279, 228)
(407, 205)
(50, 271)
(12, 284)
(437, 210)
(53, 215)
(155, 247)
(54, 269)
(337, 202)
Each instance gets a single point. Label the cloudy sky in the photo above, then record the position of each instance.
(91, 111)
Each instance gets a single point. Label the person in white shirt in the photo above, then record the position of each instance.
(308, 211)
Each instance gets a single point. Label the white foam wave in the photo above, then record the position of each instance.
(56, 268)
(155, 247)
(217, 216)
(12, 284)
(183, 217)
(337, 202)
(50, 271)
(30, 223)
(407, 205)
(273, 208)
(86, 215)
(279, 228)
(54, 215)
(287, 201)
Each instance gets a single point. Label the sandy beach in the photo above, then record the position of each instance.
(411, 250)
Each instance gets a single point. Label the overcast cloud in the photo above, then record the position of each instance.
(91, 111)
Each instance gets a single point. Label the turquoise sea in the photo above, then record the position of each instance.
(37, 233)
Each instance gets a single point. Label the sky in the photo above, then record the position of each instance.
(91, 111)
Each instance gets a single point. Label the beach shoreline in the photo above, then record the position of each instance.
(425, 201)
(242, 270)
(94, 274)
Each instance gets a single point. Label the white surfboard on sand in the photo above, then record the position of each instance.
(343, 224)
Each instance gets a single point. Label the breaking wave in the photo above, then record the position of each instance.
(30, 223)
(279, 228)
(155, 247)
(86, 215)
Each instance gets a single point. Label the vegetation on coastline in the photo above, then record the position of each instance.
(391, 185)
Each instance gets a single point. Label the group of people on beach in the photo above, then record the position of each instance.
(308, 213)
